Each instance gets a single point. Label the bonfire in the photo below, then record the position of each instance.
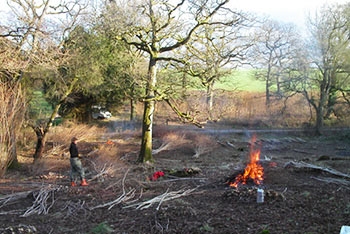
(254, 170)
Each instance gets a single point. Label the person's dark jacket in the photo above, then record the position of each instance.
(73, 150)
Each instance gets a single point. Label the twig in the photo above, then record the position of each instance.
(161, 198)
(176, 179)
(40, 204)
(73, 207)
(105, 170)
(199, 150)
(164, 146)
(111, 185)
(230, 144)
(125, 196)
(159, 226)
(13, 197)
(11, 212)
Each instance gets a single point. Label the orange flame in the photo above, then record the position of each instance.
(253, 170)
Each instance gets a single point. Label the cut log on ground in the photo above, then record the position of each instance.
(312, 166)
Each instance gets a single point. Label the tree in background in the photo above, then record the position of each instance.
(38, 33)
(12, 104)
(123, 67)
(323, 73)
(274, 50)
(215, 52)
(99, 65)
(13, 62)
(160, 28)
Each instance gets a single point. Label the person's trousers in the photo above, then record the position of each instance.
(76, 169)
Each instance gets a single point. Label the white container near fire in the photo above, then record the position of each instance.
(260, 196)
(345, 230)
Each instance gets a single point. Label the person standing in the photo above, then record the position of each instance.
(75, 164)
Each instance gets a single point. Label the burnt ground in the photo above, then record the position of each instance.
(193, 194)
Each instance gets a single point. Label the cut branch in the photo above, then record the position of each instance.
(312, 166)
(167, 196)
(125, 196)
(184, 117)
(8, 199)
(334, 181)
(41, 204)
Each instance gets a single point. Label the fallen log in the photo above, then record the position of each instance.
(312, 166)
(342, 182)
(302, 151)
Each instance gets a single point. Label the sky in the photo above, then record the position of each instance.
(290, 11)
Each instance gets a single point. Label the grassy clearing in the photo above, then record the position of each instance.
(238, 80)
(241, 80)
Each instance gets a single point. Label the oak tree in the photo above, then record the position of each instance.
(160, 28)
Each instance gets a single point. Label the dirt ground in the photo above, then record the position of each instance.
(193, 196)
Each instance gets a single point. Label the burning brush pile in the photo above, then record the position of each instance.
(248, 185)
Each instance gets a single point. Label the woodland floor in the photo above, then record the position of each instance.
(193, 195)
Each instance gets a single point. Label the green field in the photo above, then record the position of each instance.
(241, 80)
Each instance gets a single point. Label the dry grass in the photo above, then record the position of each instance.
(62, 134)
(168, 140)
(106, 161)
(236, 109)
(201, 144)
(244, 108)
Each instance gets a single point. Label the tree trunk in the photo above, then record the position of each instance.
(267, 91)
(12, 107)
(13, 149)
(324, 94)
(210, 98)
(267, 83)
(40, 143)
(149, 107)
(319, 120)
(132, 109)
(41, 132)
(147, 125)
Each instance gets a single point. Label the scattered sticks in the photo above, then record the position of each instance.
(161, 198)
(126, 196)
(5, 200)
(105, 170)
(41, 204)
(73, 207)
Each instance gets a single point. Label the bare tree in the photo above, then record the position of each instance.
(214, 53)
(160, 28)
(272, 54)
(12, 104)
(38, 34)
(12, 107)
(328, 48)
